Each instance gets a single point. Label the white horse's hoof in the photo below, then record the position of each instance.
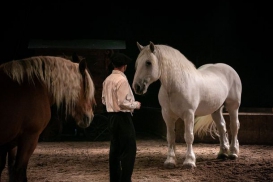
(222, 156)
(232, 156)
(188, 166)
(169, 165)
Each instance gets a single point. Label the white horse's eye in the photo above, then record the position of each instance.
(148, 63)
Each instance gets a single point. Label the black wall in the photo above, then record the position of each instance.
(236, 33)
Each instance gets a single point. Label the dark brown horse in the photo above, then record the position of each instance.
(29, 87)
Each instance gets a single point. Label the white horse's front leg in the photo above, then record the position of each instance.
(190, 159)
(170, 162)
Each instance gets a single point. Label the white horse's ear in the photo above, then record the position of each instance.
(152, 46)
(140, 47)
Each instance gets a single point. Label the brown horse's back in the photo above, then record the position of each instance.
(24, 109)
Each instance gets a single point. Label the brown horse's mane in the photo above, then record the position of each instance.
(60, 75)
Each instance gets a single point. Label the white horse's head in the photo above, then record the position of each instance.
(147, 68)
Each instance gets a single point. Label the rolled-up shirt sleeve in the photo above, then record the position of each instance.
(126, 100)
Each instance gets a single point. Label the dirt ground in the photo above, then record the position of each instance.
(88, 161)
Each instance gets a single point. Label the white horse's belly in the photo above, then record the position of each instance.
(205, 109)
(179, 105)
(209, 106)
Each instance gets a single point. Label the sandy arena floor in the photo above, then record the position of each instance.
(88, 161)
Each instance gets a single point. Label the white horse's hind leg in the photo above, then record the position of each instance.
(190, 159)
(234, 127)
(219, 120)
(170, 162)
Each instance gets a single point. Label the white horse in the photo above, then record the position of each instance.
(187, 92)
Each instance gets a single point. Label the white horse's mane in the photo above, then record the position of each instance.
(174, 63)
(61, 77)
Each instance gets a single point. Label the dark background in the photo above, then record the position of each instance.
(232, 32)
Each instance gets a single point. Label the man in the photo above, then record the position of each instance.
(120, 103)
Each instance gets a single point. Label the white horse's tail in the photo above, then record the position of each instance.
(203, 125)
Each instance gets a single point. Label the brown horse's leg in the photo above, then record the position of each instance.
(25, 149)
(11, 159)
(3, 155)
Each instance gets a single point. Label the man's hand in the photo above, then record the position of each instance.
(138, 105)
